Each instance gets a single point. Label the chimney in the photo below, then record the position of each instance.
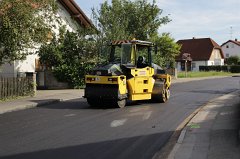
(236, 39)
(194, 38)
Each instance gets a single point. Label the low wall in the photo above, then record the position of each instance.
(46, 80)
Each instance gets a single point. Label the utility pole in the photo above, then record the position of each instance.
(185, 68)
(231, 33)
(186, 57)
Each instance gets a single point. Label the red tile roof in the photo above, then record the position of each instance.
(76, 13)
(199, 49)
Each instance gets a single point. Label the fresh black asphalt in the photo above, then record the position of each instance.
(73, 130)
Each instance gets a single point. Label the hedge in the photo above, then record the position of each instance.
(235, 69)
(225, 68)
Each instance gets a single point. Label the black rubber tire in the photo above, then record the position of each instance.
(160, 94)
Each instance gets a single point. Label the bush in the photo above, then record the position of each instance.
(202, 68)
(235, 69)
(232, 60)
(225, 68)
(73, 74)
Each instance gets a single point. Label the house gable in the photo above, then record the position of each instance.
(231, 41)
(199, 49)
(231, 48)
(76, 13)
(216, 54)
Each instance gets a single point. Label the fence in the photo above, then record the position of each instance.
(15, 87)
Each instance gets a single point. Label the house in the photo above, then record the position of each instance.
(231, 48)
(70, 16)
(200, 52)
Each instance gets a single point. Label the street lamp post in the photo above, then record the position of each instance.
(185, 68)
(186, 57)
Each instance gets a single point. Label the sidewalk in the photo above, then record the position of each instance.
(213, 133)
(43, 97)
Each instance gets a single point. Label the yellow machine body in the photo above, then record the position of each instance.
(120, 81)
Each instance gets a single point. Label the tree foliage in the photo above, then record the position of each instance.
(23, 24)
(70, 58)
(73, 55)
(125, 19)
(168, 49)
(233, 60)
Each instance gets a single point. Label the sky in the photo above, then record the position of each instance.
(214, 19)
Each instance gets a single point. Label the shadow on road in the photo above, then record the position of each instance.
(139, 147)
(81, 103)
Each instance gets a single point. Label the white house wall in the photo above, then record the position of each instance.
(7, 70)
(27, 65)
(196, 64)
(231, 49)
(66, 20)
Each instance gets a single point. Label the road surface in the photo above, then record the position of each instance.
(72, 129)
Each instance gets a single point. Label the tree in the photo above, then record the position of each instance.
(70, 57)
(167, 50)
(125, 19)
(233, 60)
(23, 25)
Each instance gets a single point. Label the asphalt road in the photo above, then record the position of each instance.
(72, 129)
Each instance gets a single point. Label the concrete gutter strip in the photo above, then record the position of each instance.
(181, 137)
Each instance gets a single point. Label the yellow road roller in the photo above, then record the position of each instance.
(129, 75)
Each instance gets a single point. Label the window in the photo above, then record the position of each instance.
(126, 54)
(122, 54)
(227, 46)
(227, 55)
(193, 65)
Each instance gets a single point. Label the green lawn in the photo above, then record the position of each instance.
(203, 74)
